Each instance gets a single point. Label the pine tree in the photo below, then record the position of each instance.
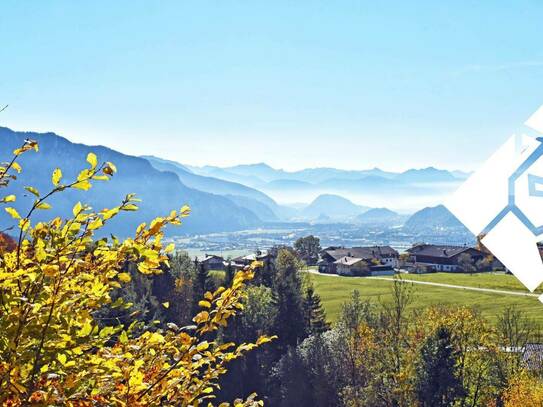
(287, 295)
(437, 382)
(202, 283)
(229, 273)
(314, 314)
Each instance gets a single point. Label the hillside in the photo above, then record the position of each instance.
(332, 206)
(381, 216)
(258, 202)
(160, 191)
(437, 217)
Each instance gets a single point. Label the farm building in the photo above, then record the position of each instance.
(429, 258)
(376, 258)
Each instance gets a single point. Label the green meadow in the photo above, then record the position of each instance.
(336, 290)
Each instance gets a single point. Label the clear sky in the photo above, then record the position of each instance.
(294, 84)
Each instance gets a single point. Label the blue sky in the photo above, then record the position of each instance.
(295, 84)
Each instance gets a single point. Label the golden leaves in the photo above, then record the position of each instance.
(9, 198)
(43, 205)
(75, 276)
(76, 210)
(124, 277)
(13, 212)
(83, 185)
(56, 177)
(92, 160)
(33, 191)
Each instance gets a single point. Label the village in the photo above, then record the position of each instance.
(376, 260)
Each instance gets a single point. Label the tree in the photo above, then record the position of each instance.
(466, 263)
(438, 384)
(202, 282)
(314, 314)
(289, 319)
(53, 351)
(181, 298)
(524, 390)
(308, 249)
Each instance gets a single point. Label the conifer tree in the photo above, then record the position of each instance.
(437, 382)
(289, 319)
(314, 314)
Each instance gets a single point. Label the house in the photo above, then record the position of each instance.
(260, 255)
(382, 259)
(429, 258)
(352, 266)
(532, 356)
(212, 262)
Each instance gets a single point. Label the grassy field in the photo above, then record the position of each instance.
(336, 290)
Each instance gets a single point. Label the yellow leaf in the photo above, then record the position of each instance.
(264, 339)
(207, 390)
(13, 212)
(185, 211)
(202, 346)
(156, 338)
(204, 304)
(170, 248)
(50, 270)
(16, 167)
(123, 338)
(130, 207)
(77, 208)
(201, 317)
(92, 160)
(57, 175)
(95, 224)
(124, 277)
(9, 198)
(33, 190)
(43, 205)
(62, 358)
(84, 185)
(86, 329)
(109, 213)
(166, 304)
(24, 224)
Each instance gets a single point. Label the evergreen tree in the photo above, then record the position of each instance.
(229, 273)
(314, 314)
(202, 283)
(437, 383)
(289, 323)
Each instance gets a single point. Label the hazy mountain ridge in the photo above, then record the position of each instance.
(381, 216)
(332, 207)
(160, 191)
(263, 173)
(432, 218)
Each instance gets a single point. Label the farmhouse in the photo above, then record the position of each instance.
(352, 266)
(429, 257)
(356, 260)
(212, 262)
(241, 262)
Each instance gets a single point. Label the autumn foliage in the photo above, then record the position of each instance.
(57, 275)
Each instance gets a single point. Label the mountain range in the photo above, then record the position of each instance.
(160, 191)
(223, 199)
(406, 191)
